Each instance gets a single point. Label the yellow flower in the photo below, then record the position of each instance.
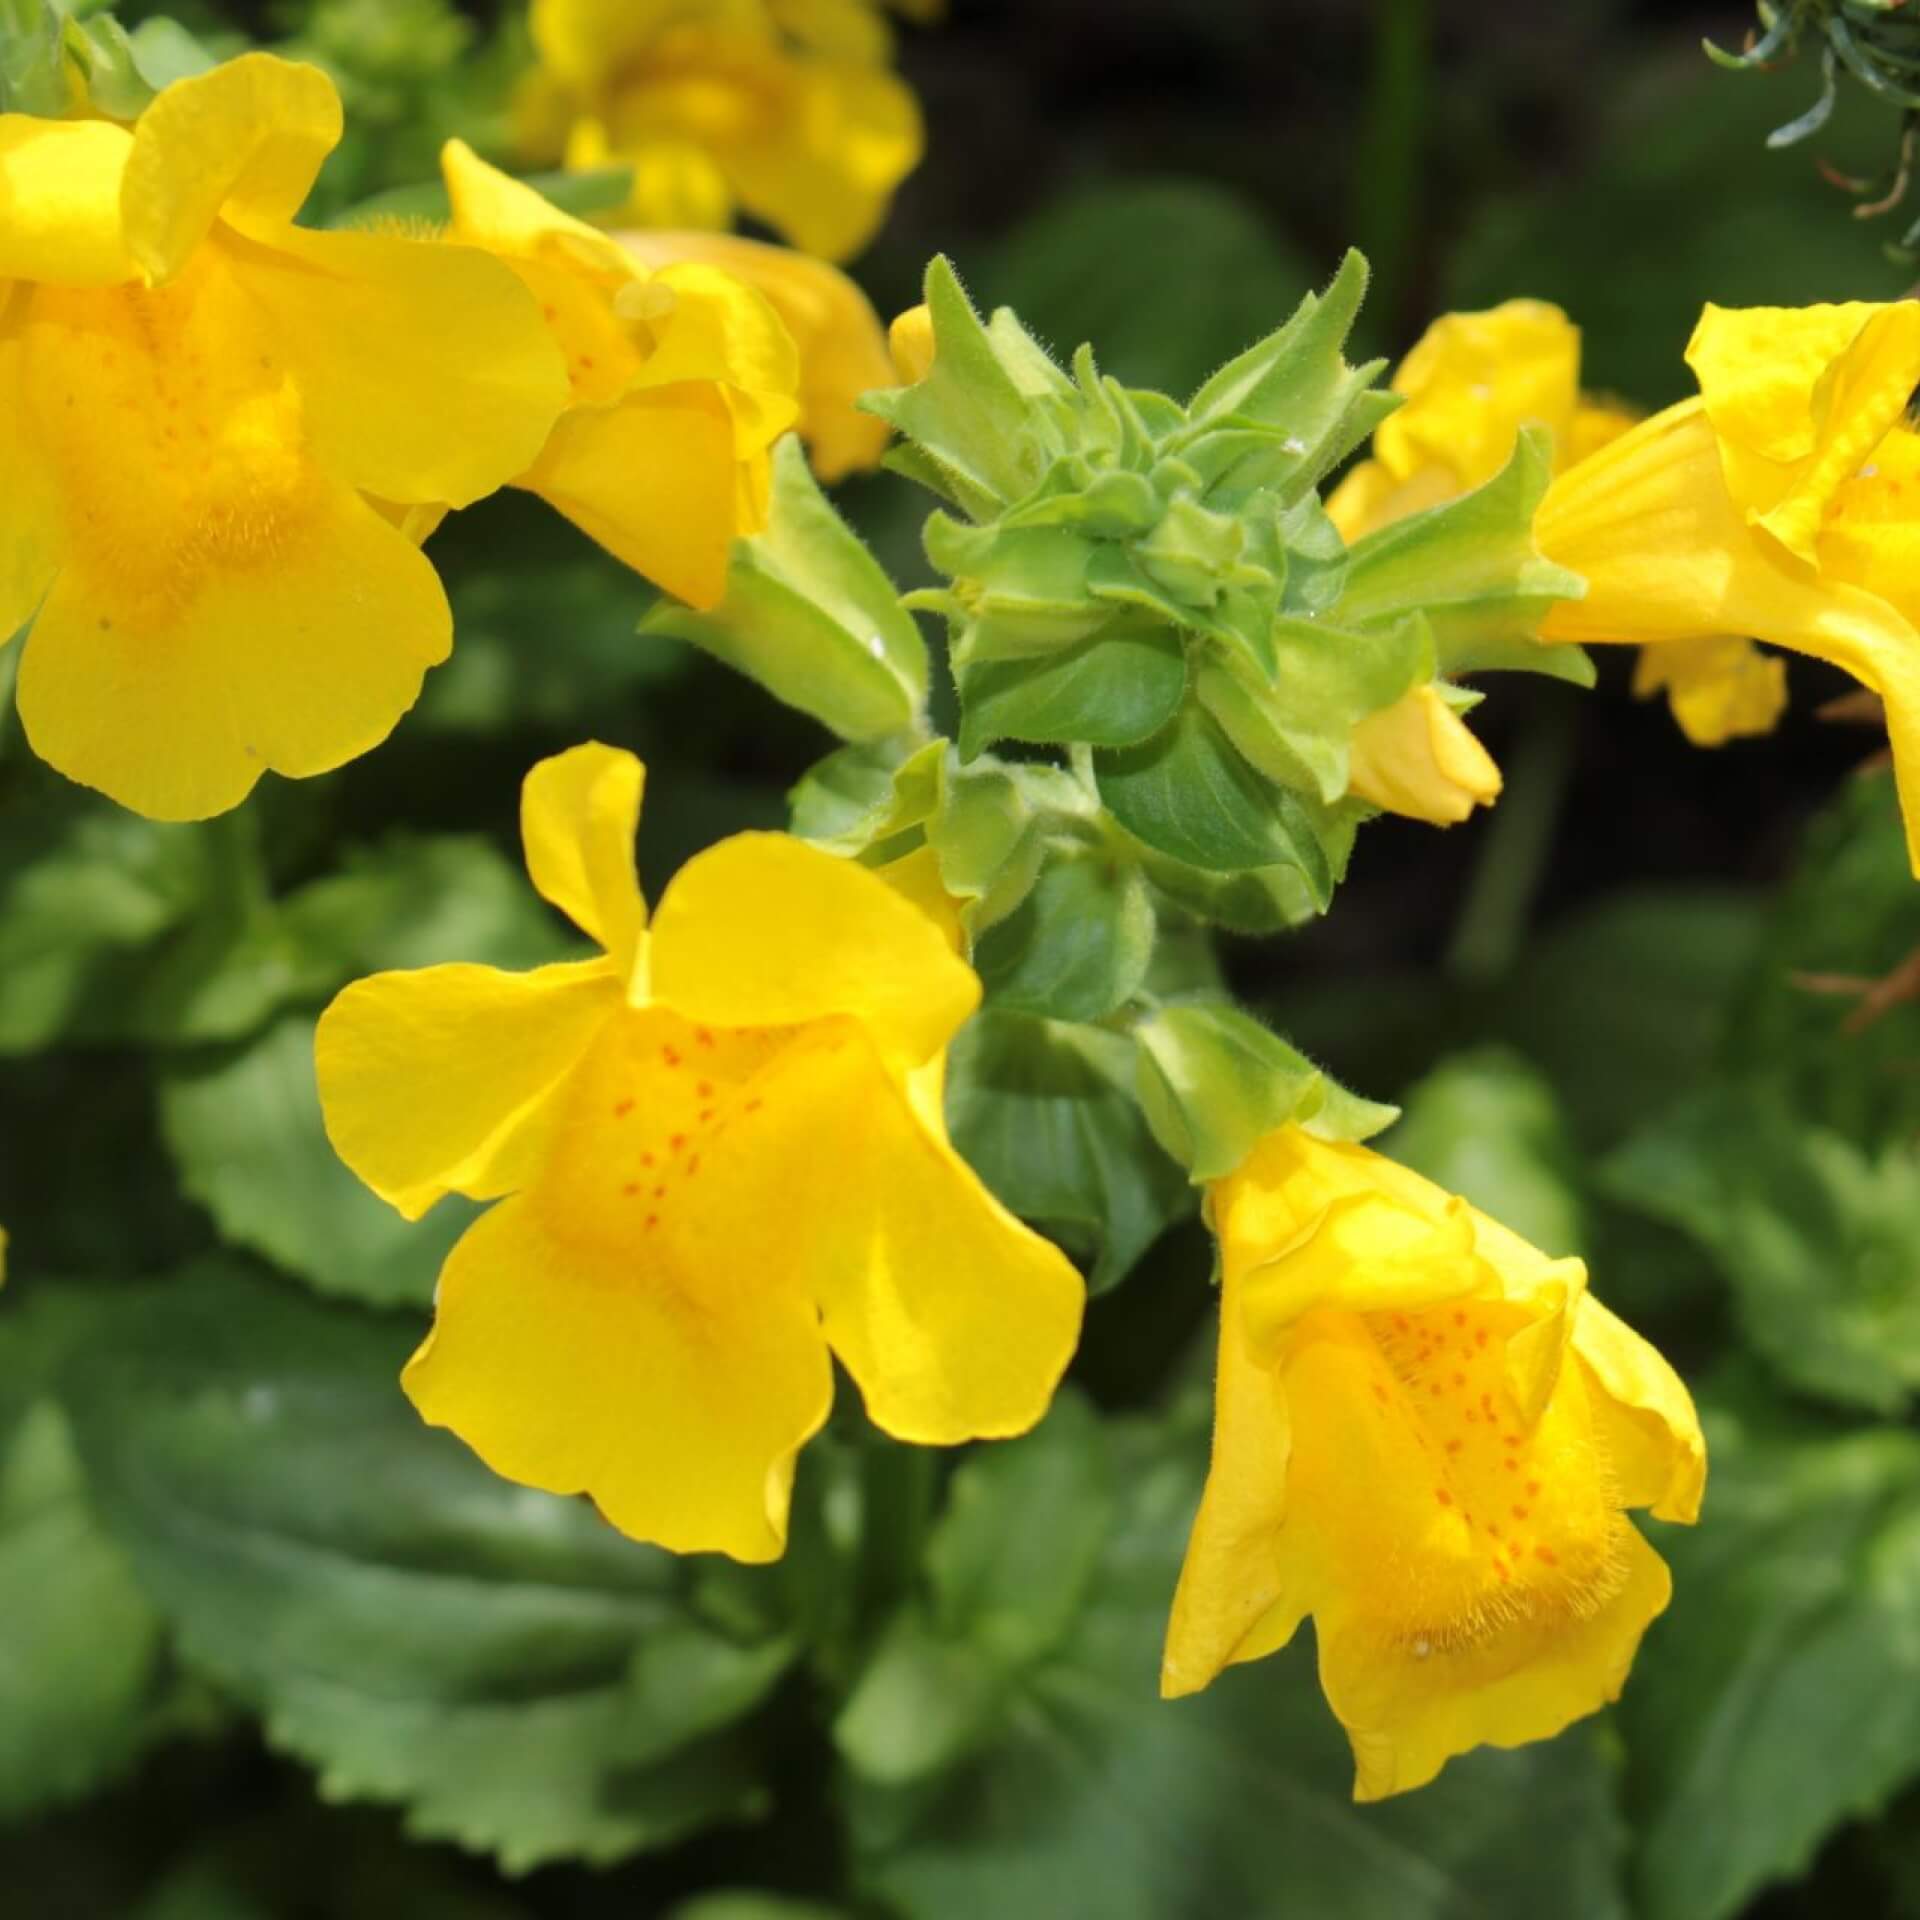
(215, 426)
(1780, 503)
(723, 1158)
(910, 343)
(1473, 381)
(681, 381)
(784, 108)
(1425, 1436)
(843, 353)
(1419, 758)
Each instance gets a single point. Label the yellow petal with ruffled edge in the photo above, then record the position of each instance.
(1667, 556)
(718, 331)
(242, 142)
(1400, 1363)
(657, 482)
(293, 666)
(425, 371)
(492, 209)
(678, 1401)
(766, 931)
(1472, 382)
(60, 201)
(834, 327)
(579, 813)
(955, 1320)
(442, 1080)
(1647, 1416)
(1419, 758)
(1719, 689)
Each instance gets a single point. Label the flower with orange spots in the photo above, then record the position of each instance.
(217, 428)
(1426, 1436)
(720, 1158)
(1468, 387)
(681, 381)
(785, 109)
(1782, 502)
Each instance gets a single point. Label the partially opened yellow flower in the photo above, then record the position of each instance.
(723, 1158)
(787, 109)
(1783, 502)
(1426, 1433)
(843, 353)
(1469, 386)
(681, 381)
(214, 426)
(1419, 758)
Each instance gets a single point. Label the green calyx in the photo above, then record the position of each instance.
(1159, 583)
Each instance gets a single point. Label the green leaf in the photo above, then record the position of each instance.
(741, 1904)
(244, 1126)
(1213, 1080)
(417, 1629)
(1487, 1125)
(1188, 793)
(1260, 901)
(81, 1678)
(1781, 1694)
(1168, 277)
(1472, 569)
(1087, 1794)
(1007, 1570)
(1110, 691)
(1045, 1114)
(810, 615)
(861, 795)
(1077, 946)
(1818, 1237)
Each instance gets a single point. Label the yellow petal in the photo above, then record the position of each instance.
(493, 210)
(764, 931)
(60, 201)
(654, 479)
(1798, 398)
(242, 142)
(1408, 1712)
(718, 330)
(585, 41)
(679, 1404)
(1419, 758)
(1646, 1416)
(911, 343)
(1720, 689)
(841, 352)
(1667, 556)
(579, 813)
(955, 1320)
(426, 371)
(29, 528)
(442, 1080)
(916, 876)
(1871, 538)
(1473, 381)
(292, 664)
(1597, 422)
(1241, 1595)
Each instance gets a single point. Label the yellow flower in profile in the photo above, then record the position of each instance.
(785, 109)
(722, 1154)
(843, 353)
(1469, 386)
(1783, 502)
(1426, 1434)
(215, 425)
(681, 381)
(1419, 758)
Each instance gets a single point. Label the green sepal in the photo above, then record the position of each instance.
(1110, 691)
(863, 794)
(810, 615)
(1213, 1081)
(1021, 590)
(1298, 381)
(1472, 568)
(1260, 900)
(976, 413)
(1077, 947)
(1188, 793)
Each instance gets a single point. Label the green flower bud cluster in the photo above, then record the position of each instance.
(1159, 585)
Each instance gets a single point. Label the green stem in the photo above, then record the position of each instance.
(1514, 848)
(1386, 199)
